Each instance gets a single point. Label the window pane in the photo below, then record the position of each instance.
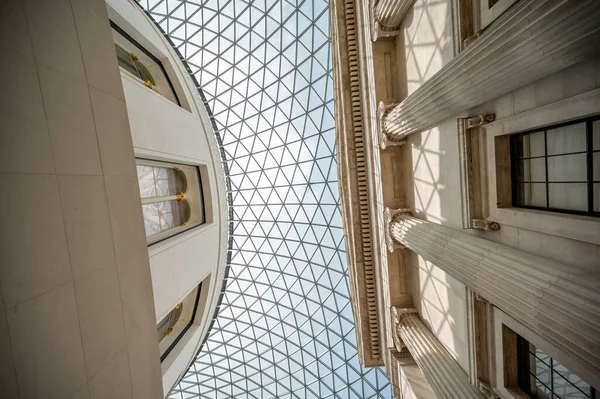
(531, 194)
(596, 160)
(543, 371)
(567, 168)
(573, 385)
(161, 216)
(566, 139)
(570, 196)
(165, 327)
(160, 181)
(146, 181)
(531, 170)
(125, 60)
(530, 145)
(142, 65)
(566, 390)
(542, 388)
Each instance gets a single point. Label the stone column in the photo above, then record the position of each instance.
(387, 16)
(558, 302)
(443, 373)
(531, 40)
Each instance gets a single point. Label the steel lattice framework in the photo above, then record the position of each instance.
(285, 326)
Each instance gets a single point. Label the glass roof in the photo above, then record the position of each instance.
(285, 326)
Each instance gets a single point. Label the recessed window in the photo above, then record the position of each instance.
(175, 324)
(139, 63)
(541, 376)
(492, 9)
(558, 168)
(172, 200)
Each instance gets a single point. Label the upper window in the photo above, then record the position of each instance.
(172, 200)
(558, 168)
(540, 376)
(492, 9)
(175, 324)
(138, 62)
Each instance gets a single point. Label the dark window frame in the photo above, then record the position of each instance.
(589, 151)
(525, 375)
(164, 355)
(149, 54)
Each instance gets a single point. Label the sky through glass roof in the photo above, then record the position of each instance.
(285, 326)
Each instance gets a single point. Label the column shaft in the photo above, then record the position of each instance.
(443, 373)
(556, 301)
(531, 40)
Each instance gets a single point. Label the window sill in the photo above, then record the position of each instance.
(576, 227)
(157, 248)
(130, 78)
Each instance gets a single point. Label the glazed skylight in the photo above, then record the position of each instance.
(285, 327)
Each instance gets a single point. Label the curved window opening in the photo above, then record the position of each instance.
(172, 200)
(140, 64)
(177, 322)
(165, 327)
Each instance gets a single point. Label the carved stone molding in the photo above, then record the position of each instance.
(557, 301)
(480, 120)
(472, 156)
(383, 140)
(396, 359)
(486, 225)
(487, 390)
(444, 374)
(388, 217)
(526, 43)
(479, 298)
(356, 140)
(387, 15)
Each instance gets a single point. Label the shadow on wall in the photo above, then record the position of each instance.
(427, 37)
(434, 190)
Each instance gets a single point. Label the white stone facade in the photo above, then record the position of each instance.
(81, 291)
(450, 170)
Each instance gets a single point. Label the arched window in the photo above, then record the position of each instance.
(142, 65)
(171, 198)
(131, 63)
(165, 327)
(177, 322)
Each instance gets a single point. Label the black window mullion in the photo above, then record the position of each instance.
(518, 187)
(552, 377)
(590, 165)
(546, 168)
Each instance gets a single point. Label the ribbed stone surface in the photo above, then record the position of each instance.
(533, 39)
(443, 373)
(557, 301)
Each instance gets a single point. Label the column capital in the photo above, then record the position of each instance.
(397, 315)
(382, 110)
(479, 120)
(388, 218)
(387, 15)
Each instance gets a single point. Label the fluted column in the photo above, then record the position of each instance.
(387, 16)
(443, 373)
(556, 301)
(531, 40)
